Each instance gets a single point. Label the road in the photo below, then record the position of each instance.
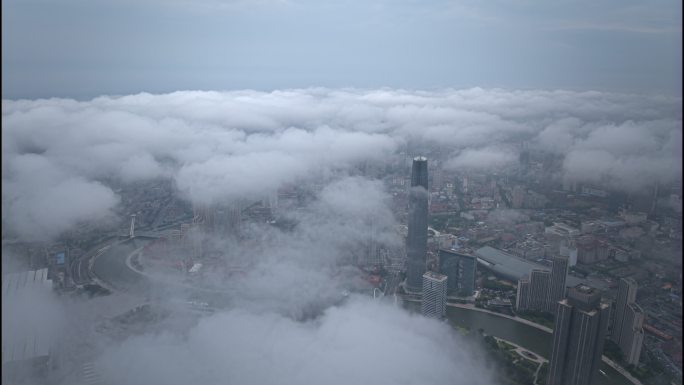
(110, 267)
(78, 268)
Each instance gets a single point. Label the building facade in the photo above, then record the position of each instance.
(543, 289)
(632, 334)
(523, 295)
(461, 270)
(580, 329)
(416, 241)
(627, 331)
(559, 274)
(540, 283)
(627, 289)
(434, 295)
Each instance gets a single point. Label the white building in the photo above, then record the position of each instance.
(434, 295)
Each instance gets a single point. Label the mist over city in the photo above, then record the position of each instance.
(320, 221)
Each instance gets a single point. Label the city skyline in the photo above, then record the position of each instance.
(263, 192)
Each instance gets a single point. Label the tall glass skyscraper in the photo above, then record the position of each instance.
(460, 268)
(578, 336)
(416, 242)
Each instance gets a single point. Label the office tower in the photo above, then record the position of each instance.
(524, 159)
(627, 288)
(540, 282)
(632, 334)
(580, 329)
(227, 220)
(416, 241)
(628, 321)
(202, 217)
(522, 298)
(559, 273)
(434, 295)
(461, 270)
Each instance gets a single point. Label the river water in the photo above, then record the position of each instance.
(531, 338)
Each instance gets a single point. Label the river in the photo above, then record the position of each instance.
(529, 337)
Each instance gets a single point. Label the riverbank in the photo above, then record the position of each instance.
(613, 365)
(514, 318)
(605, 359)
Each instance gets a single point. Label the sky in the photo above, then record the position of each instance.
(83, 49)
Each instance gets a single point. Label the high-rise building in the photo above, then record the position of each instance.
(540, 282)
(416, 241)
(628, 321)
(543, 289)
(202, 217)
(522, 297)
(434, 295)
(461, 270)
(632, 334)
(627, 289)
(580, 328)
(559, 273)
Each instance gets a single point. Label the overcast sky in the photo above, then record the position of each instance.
(81, 49)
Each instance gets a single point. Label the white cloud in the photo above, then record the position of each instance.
(224, 145)
(360, 342)
(486, 158)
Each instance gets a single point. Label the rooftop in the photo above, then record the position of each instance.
(515, 268)
(435, 276)
(25, 341)
(584, 289)
(15, 283)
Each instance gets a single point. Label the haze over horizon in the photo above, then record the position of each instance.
(81, 50)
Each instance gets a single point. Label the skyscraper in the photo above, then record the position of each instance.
(632, 334)
(578, 336)
(628, 321)
(460, 268)
(540, 281)
(627, 289)
(416, 241)
(434, 295)
(522, 297)
(559, 273)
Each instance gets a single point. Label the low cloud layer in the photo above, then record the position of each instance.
(225, 145)
(361, 342)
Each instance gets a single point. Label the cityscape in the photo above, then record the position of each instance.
(322, 233)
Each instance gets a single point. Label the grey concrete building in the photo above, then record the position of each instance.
(632, 334)
(540, 282)
(627, 289)
(523, 295)
(559, 274)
